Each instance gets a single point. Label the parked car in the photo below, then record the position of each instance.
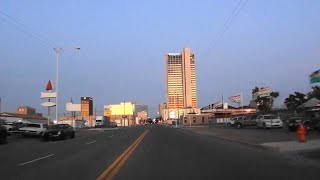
(113, 124)
(232, 121)
(17, 125)
(268, 121)
(243, 121)
(59, 131)
(33, 129)
(6, 124)
(3, 134)
(294, 122)
(309, 123)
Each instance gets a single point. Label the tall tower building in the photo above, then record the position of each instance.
(181, 80)
(86, 106)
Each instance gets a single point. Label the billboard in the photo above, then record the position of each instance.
(73, 107)
(48, 104)
(172, 115)
(48, 95)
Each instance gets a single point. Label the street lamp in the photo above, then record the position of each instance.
(58, 51)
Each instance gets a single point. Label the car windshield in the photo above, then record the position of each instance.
(33, 125)
(3, 122)
(270, 117)
(56, 126)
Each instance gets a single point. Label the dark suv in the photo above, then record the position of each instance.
(310, 119)
(245, 121)
(309, 123)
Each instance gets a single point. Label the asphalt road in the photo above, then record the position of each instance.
(83, 157)
(168, 153)
(163, 153)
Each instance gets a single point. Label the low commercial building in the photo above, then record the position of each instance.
(195, 119)
(123, 114)
(24, 114)
(223, 114)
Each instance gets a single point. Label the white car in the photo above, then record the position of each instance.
(33, 129)
(268, 121)
(6, 124)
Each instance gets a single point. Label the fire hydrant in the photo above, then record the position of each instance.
(301, 133)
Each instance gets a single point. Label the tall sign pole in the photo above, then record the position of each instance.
(48, 95)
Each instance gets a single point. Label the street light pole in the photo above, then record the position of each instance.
(58, 51)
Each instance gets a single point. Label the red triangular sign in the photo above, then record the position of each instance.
(49, 86)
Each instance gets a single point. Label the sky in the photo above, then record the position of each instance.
(123, 43)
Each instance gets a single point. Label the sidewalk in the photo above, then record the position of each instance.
(293, 145)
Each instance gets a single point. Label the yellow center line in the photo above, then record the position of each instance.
(114, 168)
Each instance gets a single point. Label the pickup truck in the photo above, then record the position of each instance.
(246, 121)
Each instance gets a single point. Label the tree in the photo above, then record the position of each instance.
(315, 93)
(264, 103)
(295, 100)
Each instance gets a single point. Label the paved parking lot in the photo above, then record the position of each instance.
(252, 134)
(280, 140)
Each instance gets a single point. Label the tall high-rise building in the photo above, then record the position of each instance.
(181, 80)
(86, 106)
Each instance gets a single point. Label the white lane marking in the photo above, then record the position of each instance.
(110, 136)
(36, 160)
(91, 142)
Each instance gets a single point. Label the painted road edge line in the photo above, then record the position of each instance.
(35, 160)
(91, 142)
(118, 163)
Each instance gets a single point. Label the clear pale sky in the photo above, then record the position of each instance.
(272, 43)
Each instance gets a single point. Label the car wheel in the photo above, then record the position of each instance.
(307, 126)
(73, 135)
(3, 140)
(238, 126)
(228, 124)
(264, 126)
(257, 126)
(62, 136)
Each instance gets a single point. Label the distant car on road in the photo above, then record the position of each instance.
(59, 131)
(33, 129)
(3, 134)
(113, 124)
(268, 121)
(243, 121)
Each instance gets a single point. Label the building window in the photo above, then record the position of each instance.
(185, 121)
(194, 119)
(202, 119)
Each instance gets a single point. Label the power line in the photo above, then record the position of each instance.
(228, 23)
(25, 29)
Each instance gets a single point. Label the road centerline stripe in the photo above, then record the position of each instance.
(114, 168)
(35, 160)
(91, 142)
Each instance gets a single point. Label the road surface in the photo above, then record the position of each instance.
(151, 152)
